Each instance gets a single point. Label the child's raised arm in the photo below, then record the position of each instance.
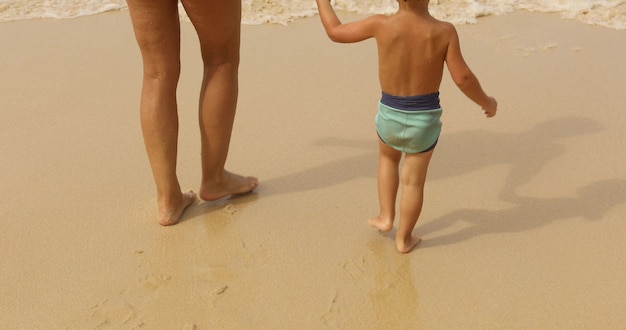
(465, 79)
(346, 33)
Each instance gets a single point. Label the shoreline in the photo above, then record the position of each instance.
(589, 16)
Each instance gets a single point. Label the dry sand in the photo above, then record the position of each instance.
(523, 223)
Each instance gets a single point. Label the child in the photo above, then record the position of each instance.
(412, 49)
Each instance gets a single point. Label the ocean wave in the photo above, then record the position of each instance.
(608, 13)
(13, 10)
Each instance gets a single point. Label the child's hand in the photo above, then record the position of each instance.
(491, 107)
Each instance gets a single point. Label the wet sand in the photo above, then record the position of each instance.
(523, 223)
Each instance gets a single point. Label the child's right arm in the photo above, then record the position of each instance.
(465, 79)
(349, 32)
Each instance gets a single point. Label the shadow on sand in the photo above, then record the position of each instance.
(525, 153)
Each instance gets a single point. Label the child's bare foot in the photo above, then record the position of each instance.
(231, 184)
(171, 216)
(384, 225)
(406, 246)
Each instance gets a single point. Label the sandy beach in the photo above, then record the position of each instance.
(523, 223)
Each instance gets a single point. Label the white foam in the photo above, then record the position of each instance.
(11, 10)
(608, 13)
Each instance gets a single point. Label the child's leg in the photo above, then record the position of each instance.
(388, 180)
(413, 177)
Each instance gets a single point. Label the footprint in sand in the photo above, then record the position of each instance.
(358, 271)
(229, 209)
(382, 276)
(330, 318)
(120, 311)
(356, 267)
(215, 275)
(212, 282)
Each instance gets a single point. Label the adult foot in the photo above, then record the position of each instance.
(384, 225)
(171, 215)
(406, 246)
(230, 184)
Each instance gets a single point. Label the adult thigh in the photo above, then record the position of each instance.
(218, 24)
(157, 30)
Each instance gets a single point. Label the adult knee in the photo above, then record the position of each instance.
(221, 53)
(162, 72)
(221, 61)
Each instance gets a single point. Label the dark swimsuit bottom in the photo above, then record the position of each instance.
(412, 103)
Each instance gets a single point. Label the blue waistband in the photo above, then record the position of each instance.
(412, 103)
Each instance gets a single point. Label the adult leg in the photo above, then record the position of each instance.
(157, 32)
(388, 180)
(413, 177)
(218, 25)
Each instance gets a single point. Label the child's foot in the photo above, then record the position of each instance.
(406, 246)
(383, 225)
(171, 216)
(231, 184)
